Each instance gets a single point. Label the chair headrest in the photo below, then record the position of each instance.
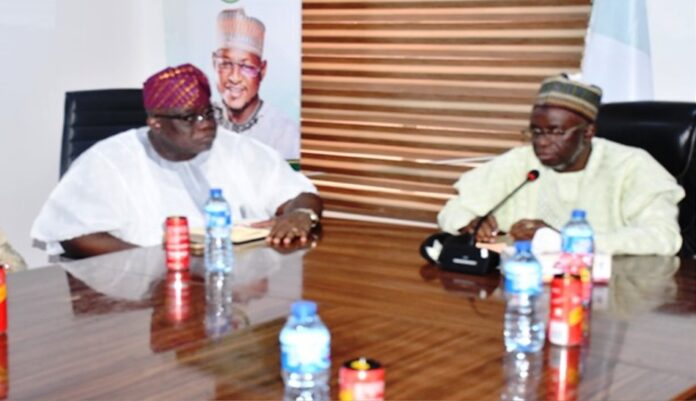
(664, 129)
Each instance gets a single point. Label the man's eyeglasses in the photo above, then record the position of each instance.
(552, 133)
(207, 115)
(227, 65)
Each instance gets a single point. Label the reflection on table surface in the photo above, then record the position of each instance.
(260, 287)
(121, 327)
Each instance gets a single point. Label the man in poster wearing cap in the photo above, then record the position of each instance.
(630, 199)
(240, 68)
(118, 193)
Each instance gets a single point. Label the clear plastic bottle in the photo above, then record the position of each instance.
(577, 234)
(524, 329)
(522, 376)
(218, 304)
(305, 347)
(218, 225)
(578, 251)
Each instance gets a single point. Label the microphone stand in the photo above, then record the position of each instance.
(532, 175)
(460, 253)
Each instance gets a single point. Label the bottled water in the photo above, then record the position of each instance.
(320, 393)
(219, 315)
(578, 251)
(524, 327)
(305, 347)
(577, 234)
(522, 376)
(218, 225)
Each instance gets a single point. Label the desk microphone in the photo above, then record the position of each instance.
(459, 252)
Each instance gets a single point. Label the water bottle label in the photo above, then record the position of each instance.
(218, 219)
(305, 356)
(578, 245)
(523, 279)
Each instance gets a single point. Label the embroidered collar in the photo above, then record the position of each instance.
(238, 128)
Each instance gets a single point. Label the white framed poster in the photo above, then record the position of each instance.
(251, 52)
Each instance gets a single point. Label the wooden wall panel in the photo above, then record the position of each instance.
(400, 97)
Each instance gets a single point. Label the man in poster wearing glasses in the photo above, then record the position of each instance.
(240, 68)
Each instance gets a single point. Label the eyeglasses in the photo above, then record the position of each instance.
(227, 65)
(191, 119)
(552, 133)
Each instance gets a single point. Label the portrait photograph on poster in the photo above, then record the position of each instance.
(251, 53)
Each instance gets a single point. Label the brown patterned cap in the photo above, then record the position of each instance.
(238, 31)
(181, 87)
(561, 91)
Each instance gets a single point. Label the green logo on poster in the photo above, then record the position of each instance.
(230, 1)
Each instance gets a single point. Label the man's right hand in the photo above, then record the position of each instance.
(525, 229)
(93, 245)
(486, 233)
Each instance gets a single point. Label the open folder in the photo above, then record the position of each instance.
(240, 235)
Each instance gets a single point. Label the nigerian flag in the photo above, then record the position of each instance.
(617, 50)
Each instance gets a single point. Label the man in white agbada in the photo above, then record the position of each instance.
(240, 69)
(630, 199)
(118, 194)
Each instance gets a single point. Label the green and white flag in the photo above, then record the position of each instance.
(617, 51)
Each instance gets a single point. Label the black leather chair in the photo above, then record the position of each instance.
(93, 115)
(667, 130)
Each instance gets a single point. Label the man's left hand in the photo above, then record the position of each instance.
(290, 227)
(526, 228)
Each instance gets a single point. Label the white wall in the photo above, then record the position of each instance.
(672, 27)
(48, 47)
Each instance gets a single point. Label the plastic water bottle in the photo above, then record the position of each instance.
(578, 251)
(523, 374)
(577, 234)
(219, 315)
(305, 347)
(524, 327)
(218, 225)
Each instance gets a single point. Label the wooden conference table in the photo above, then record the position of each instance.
(112, 327)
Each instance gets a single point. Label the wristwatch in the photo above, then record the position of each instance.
(313, 216)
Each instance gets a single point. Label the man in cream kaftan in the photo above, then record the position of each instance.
(630, 199)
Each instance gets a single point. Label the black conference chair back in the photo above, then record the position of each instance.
(667, 131)
(93, 115)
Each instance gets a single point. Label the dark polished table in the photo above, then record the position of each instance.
(118, 326)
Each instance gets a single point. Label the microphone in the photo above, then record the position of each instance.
(459, 252)
(532, 175)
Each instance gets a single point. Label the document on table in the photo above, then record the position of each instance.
(240, 234)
